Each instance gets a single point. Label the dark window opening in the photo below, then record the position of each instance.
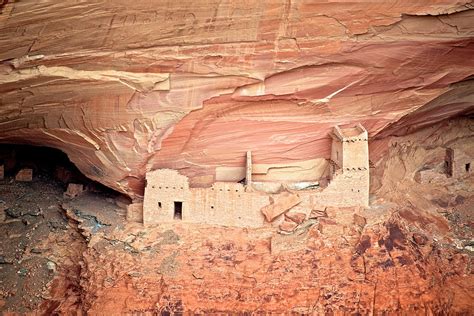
(468, 167)
(178, 210)
(159, 205)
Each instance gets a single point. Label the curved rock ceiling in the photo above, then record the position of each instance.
(193, 85)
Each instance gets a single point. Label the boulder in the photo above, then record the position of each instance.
(296, 217)
(24, 175)
(288, 226)
(73, 190)
(279, 205)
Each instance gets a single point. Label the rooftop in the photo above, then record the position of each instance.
(343, 133)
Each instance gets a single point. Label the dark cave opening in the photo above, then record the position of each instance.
(48, 164)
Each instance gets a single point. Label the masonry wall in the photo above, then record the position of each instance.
(225, 203)
(337, 153)
(458, 163)
(164, 187)
(346, 189)
(356, 154)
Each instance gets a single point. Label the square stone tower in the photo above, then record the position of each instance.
(350, 148)
(350, 164)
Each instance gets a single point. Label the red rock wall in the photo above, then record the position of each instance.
(124, 88)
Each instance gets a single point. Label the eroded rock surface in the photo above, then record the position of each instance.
(192, 86)
(409, 252)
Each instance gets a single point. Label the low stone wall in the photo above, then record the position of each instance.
(225, 203)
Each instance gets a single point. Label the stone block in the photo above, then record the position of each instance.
(281, 204)
(73, 190)
(24, 175)
(288, 226)
(296, 217)
(318, 212)
(135, 212)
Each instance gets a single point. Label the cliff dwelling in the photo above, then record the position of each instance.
(168, 195)
(258, 157)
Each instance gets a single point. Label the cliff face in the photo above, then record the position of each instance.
(193, 85)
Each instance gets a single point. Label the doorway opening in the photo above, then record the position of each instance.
(468, 167)
(178, 210)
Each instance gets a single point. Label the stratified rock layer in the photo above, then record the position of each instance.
(193, 85)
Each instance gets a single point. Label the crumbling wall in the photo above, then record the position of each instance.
(346, 189)
(459, 164)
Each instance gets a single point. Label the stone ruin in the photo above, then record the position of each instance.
(458, 163)
(169, 197)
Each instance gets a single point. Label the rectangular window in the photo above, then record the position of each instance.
(178, 210)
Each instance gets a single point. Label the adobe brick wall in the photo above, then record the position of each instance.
(224, 203)
(227, 204)
(164, 187)
(346, 189)
(355, 154)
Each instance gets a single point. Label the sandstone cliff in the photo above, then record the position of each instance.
(193, 85)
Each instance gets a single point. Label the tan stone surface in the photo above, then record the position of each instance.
(135, 212)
